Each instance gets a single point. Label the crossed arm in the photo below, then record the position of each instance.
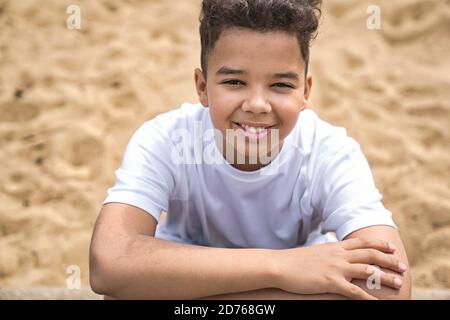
(126, 263)
(384, 293)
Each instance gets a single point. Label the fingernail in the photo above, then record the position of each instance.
(398, 282)
(392, 247)
(402, 266)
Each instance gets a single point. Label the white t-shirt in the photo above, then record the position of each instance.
(319, 181)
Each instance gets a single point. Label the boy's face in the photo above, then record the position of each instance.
(254, 80)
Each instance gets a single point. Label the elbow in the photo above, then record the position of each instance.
(100, 275)
(98, 285)
(97, 279)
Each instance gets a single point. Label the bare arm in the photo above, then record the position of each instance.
(274, 294)
(384, 292)
(127, 262)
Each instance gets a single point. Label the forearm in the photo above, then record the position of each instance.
(274, 294)
(382, 293)
(377, 290)
(150, 268)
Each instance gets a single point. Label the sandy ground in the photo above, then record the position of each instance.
(70, 100)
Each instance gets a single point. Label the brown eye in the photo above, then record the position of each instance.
(283, 85)
(233, 82)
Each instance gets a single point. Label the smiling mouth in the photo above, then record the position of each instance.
(253, 130)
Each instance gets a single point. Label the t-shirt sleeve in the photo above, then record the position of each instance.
(146, 176)
(344, 189)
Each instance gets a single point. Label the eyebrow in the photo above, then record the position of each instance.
(229, 71)
(289, 75)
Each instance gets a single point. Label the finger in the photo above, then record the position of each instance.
(363, 243)
(352, 291)
(364, 271)
(372, 256)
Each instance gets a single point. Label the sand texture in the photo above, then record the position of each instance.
(71, 99)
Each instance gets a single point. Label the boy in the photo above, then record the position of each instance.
(249, 206)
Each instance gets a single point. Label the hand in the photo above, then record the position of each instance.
(330, 268)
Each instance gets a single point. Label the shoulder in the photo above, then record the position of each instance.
(314, 136)
(328, 150)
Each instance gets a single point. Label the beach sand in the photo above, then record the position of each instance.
(71, 99)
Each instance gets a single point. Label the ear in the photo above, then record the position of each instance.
(200, 85)
(307, 92)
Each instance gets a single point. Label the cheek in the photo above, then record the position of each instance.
(221, 108)
(219, 115)
(288, 118)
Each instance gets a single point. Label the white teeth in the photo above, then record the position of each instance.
(253, 129)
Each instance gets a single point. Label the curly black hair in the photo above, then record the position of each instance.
(297, 17)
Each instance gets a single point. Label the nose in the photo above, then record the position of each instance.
(256, 104)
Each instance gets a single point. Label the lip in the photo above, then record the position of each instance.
(254, 124)
(253, 136)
